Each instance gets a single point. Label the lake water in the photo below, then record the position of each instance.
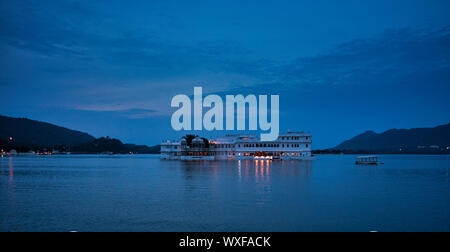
(142, 193)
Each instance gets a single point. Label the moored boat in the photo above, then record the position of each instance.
(367, 160)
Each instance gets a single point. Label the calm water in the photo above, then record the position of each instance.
(142, 193)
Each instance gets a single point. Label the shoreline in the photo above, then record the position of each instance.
(155, 154)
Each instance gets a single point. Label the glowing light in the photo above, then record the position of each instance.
(10, 138)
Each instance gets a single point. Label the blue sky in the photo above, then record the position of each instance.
(110, 68)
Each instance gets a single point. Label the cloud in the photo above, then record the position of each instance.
(93, 39)
(395, 58)
(120, 110)
(85, 35)
(389, 57)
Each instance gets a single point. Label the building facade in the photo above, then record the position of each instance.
(291, 145)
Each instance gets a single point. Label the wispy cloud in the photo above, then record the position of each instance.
(87, 36)
(123, 111)
(389, 57)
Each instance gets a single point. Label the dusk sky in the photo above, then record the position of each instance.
(111, 68)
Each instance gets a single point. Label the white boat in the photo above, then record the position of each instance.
(367, 160)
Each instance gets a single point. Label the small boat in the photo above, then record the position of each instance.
(367, 160)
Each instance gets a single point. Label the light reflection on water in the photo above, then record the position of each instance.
(11, 171)
(142, 193)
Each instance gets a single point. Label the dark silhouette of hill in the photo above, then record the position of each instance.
(32, 135)
(418, 140)
(115, 146)
(27, 132)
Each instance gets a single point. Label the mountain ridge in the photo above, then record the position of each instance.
(29, 132)
(25, 135)
(415, 140)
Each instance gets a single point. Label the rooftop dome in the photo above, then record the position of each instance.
(197, 140)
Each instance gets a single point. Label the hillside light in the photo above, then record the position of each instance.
(10, 138)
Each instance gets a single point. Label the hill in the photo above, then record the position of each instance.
(418, 140)
(115, 146)
(25, 132)
(26, 135)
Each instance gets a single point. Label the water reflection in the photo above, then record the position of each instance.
(241, 183)
(258, 170)
(191, 169)
(11, 171)
(142, 193)
(7, 168)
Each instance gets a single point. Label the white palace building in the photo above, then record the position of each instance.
(292, 145)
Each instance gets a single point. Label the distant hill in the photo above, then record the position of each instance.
(39, 136)
(420, 140)
(110, 145)
(27, 132)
